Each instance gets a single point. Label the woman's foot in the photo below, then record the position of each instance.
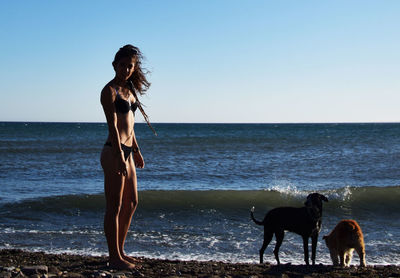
(131, 260)
(121, 265)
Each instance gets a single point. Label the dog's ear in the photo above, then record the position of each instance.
(323, 198)
(308, 202)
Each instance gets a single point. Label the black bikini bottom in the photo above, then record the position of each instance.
(127, 150)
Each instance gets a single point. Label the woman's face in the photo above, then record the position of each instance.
(124, 68)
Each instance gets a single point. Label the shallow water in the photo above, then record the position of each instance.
(197, 188)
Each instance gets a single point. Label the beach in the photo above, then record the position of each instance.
(18, 263)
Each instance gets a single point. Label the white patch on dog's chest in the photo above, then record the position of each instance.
(317, 229)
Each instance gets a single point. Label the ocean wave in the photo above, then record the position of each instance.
(383, 200)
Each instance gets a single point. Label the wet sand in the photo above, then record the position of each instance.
(18, 263)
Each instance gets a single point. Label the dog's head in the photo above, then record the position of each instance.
(327, 241)
(314, 200)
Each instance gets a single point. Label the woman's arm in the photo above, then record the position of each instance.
(107, 101)
(137, 155)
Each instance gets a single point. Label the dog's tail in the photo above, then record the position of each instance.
(255, 220)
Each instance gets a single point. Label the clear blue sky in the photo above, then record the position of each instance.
(211, 60)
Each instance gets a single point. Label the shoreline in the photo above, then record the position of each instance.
(19, 263)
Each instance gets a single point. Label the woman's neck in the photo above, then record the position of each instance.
(119, 82)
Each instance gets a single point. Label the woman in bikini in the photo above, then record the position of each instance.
(121, 154)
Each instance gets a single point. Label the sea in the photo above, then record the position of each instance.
(198, 186)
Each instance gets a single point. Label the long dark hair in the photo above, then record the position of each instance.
(138, 77)
(138, 82)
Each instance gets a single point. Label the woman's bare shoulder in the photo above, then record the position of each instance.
(108, 88)
(108, 92)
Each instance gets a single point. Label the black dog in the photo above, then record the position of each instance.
(305, 221)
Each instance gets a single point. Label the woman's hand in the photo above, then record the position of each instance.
(121, 166)
(138, 159)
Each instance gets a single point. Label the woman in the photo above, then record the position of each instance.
(121, 154)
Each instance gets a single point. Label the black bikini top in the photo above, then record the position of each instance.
(123, 106)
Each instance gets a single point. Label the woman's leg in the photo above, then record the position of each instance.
(113, 187)
(128, 207)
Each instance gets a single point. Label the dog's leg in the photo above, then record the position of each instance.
(279, 238)
(334, 257)
(342, 255)
(361, 254)
(267, 239)
(305, 247)
(348, 257)
(314, 241)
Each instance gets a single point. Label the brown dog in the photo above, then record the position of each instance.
(342, 241)
(305, 221)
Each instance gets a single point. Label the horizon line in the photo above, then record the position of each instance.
(93, 122)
